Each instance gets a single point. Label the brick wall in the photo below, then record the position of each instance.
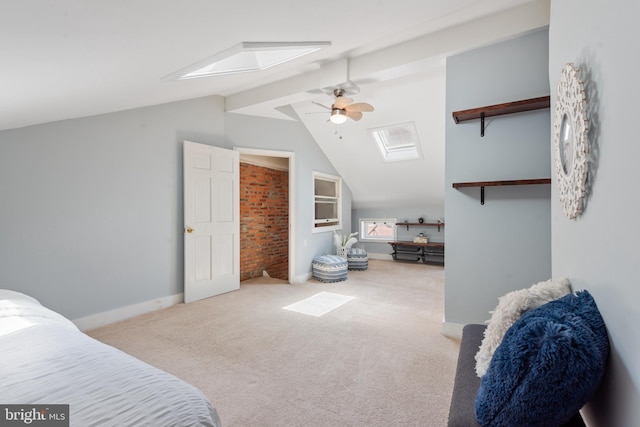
(264, 222)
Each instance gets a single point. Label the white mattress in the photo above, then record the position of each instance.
(45, 359)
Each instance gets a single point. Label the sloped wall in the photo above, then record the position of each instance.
(251, 132)
(92, 207)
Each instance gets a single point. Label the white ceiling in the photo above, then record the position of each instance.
(75, 58)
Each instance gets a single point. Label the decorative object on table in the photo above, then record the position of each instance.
(421, 238)
(421, 220)
(329, 268)
(358, 259)
(344, 243)
(571, 145)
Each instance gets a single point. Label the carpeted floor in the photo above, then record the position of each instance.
(377, 360)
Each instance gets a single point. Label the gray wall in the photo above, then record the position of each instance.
(91, 212)
(91, 215)
(283, 135)
(505, 244)
(599, 251)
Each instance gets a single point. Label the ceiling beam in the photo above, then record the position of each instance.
(413, 56)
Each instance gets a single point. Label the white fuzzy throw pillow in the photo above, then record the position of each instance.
(509, 309)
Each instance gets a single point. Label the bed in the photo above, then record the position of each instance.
(45, 359)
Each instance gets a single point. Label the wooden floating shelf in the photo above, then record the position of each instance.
(421, 224)
(483, 184)
(506, 182)
(501, 109)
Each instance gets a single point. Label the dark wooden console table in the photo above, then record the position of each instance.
(428, 253)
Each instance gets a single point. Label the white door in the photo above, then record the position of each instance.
(212, 224)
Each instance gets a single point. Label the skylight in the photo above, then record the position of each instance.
(398, 142)
(245, 57)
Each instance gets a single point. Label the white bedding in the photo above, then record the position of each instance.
(45, 359)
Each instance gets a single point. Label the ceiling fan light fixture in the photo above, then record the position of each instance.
(245, 57)
(338, 116)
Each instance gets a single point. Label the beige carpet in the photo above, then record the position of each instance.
(377, 360)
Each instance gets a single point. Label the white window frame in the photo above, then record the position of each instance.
(393, 149)
(364, 237)
(318, 223)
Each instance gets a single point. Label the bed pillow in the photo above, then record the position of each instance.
(549, 364)
(6, 294)
(510, 307)
(16, 306)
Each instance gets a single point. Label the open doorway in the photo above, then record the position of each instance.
(266, 223)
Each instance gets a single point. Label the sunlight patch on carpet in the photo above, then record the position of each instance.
(319, 304)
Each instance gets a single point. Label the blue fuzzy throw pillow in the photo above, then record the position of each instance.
(549, 364)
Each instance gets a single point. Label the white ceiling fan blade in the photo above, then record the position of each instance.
(360, 106)
(323, 106)
(342, 102)
(354, 115)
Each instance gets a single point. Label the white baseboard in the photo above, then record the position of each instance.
(122, 313)
(452, 330)
(385, 257)
(302, 278)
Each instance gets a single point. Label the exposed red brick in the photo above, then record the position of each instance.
(264, 222)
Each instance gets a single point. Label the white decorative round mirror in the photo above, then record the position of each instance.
(571, 145)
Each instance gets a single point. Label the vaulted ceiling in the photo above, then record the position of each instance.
(75, 58)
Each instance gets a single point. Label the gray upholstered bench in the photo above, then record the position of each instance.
(467, 383)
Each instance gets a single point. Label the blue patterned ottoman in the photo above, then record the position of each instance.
(357, 259)
(329, 268)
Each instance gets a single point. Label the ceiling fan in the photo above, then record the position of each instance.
(343, 107)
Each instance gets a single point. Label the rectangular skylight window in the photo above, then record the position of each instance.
(397, 142)
(245, 57)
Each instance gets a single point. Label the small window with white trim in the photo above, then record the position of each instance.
(327, 203)
(377, 229)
